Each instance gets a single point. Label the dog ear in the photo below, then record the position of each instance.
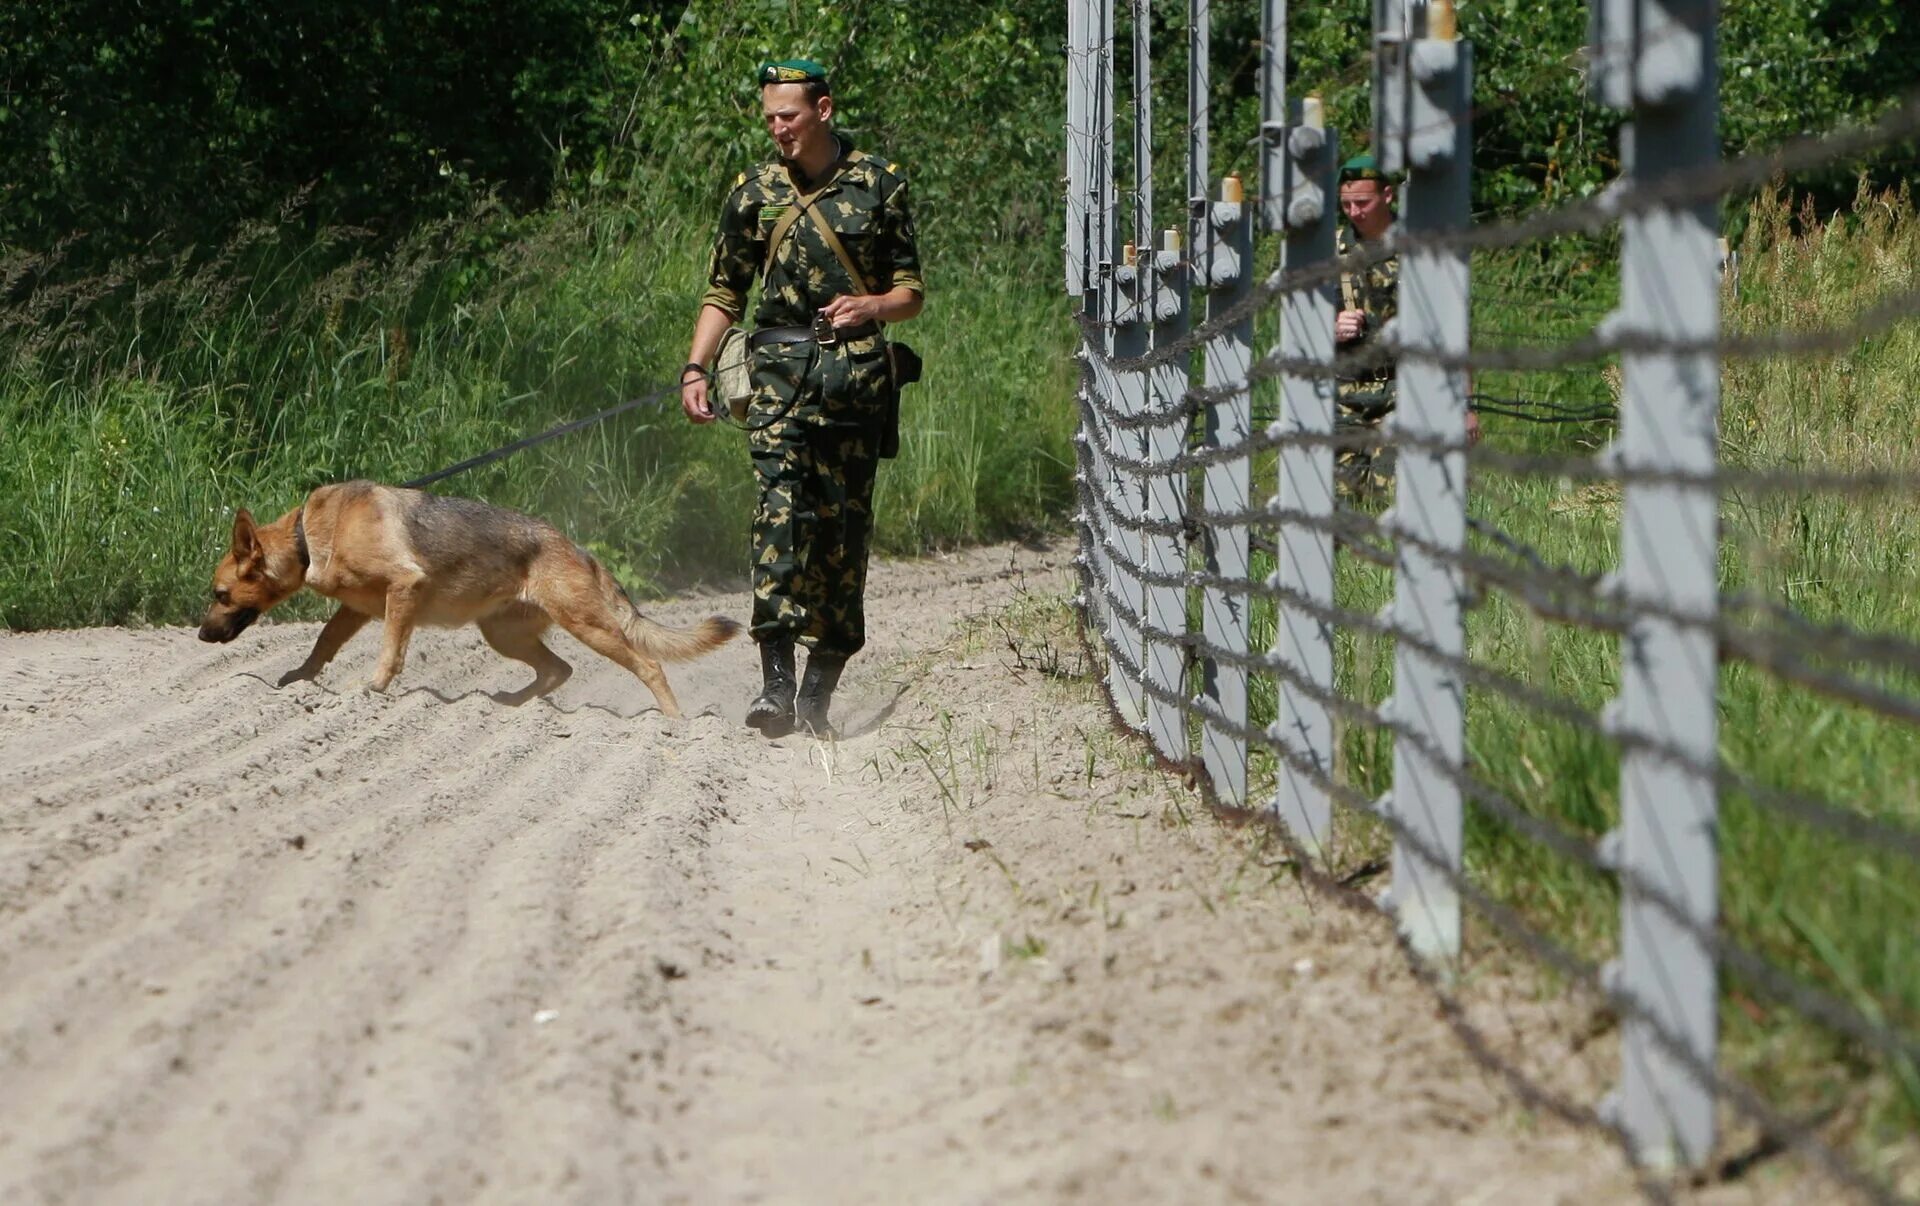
(246, 541)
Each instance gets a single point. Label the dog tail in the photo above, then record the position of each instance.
(662, 642)
(665, 644)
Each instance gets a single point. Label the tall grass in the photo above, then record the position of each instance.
(140, 415)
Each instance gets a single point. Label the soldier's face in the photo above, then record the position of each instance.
(797, 124)
(1368, 204)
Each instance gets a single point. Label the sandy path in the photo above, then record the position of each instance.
(317, 946)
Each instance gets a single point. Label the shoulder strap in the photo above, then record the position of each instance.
(1349, 292)
(779, 233)
(803, 203)
(860, 284)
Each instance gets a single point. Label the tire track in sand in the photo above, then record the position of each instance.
(232, 953)
(120, 696)
(319, 736)
(512, 1084)
(149, 906)
(163, 728)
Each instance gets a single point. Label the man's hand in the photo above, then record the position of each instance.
(1349, 325)
(693, 396)
(850, 311)
(1473, 429)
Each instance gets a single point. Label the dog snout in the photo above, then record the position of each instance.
(218, 629)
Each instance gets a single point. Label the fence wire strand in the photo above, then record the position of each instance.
(1770, 981)
(1587, 216)
(1801, 1136)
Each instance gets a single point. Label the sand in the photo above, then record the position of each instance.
(321, 945)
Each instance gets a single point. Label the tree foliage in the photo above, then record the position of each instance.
(966, 98)
(131, 121)
(1787, 67)
(161, 124)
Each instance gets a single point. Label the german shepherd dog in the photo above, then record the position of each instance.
(419, 558)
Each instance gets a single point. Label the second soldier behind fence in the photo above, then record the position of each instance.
(1367, 305)
(1369, 299)
(826, 231)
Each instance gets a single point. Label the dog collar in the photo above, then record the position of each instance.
(300, 539)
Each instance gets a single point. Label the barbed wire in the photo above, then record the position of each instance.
(1587, 216)
(1097, 509)
(1559, 592)
(1807, 810)
(1128, 526)
(1761, 649)
(1798, 1135)
(1833, 640)
(1770, 981)
(1802, 808)
(1542, 410)
(1353, 366)
(1606, 340)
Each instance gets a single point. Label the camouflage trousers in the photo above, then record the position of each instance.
(815, 458)
(1361, 408)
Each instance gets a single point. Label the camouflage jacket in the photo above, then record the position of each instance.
(864, 200)
(1373, 289)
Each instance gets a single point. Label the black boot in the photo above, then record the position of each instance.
(816, 692)
(772, 712)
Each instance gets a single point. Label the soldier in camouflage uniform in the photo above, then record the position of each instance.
(818, 407)
(1368, 301)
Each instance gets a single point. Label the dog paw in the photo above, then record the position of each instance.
(299, 674)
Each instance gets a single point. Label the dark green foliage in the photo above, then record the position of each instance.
(966, 98)
(129, 123)
(156, 126)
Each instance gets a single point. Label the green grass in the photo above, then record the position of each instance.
(138, 420)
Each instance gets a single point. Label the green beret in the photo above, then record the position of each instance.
(1362, 167)
(792, 71)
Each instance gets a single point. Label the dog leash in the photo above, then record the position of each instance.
(573, 425)
(551, 433)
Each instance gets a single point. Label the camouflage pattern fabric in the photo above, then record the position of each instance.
(864, 199)
(816, 413)
(1365, 399)
(811, 527)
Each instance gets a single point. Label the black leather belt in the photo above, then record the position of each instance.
(766, 335)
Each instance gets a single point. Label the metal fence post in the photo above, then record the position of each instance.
(1103, 195)
(1079, 248)
(1130, 301)
(1273, 112)
(1655, 59)
(1103, 294)
(1163, 496)
(1423, 127)
(1166, 502)
(1222, 240)
(1080, 62)
(1199, 106)
(1095, 83)
(1106, 287)
(1304, 641)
